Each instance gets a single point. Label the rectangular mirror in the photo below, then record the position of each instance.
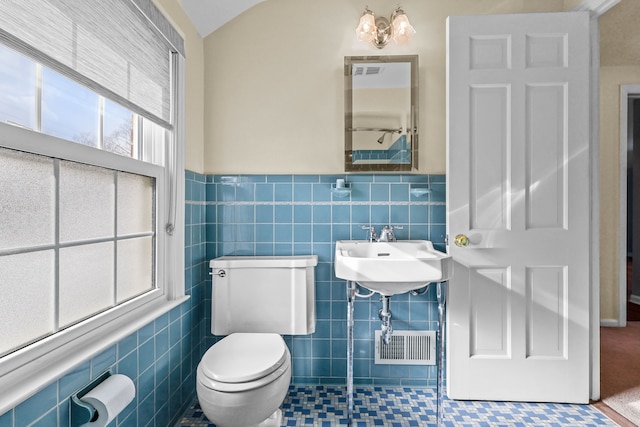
(381, 113)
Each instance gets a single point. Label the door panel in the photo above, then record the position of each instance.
(546, 312)
(490, 311)
(546, 155)
(489, 145)
(518, 187)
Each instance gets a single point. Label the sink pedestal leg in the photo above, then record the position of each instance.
(351, 296)
(440, 349)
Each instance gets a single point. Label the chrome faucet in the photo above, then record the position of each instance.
(386, 234)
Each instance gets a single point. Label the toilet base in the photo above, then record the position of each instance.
(274, 420)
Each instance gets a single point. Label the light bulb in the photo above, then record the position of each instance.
(402, 28)
(366, 30)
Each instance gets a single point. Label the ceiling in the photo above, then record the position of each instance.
(209, 15)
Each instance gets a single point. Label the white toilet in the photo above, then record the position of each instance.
(243, 379)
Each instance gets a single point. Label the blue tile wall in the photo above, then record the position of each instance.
(264, 215)
(161, 357)
(299, 215)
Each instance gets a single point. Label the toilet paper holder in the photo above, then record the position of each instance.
(82, 412)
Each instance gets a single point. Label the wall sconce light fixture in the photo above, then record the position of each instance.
(379, 30)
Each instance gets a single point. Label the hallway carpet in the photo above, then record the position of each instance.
(620, 370)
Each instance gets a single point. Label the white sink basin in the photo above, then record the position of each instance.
(391, 268)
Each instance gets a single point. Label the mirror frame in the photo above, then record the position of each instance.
(412, 133)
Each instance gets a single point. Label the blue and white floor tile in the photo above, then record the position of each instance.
(326, 406)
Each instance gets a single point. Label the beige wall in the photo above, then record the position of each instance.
(274, 91)
(620, 64)
(274, 85)
(194, 53)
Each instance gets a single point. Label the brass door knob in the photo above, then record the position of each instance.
(461, 240)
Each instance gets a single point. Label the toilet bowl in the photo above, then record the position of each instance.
(243, 378)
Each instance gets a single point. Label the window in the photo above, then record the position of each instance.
(17, 84)
(91, 178)
(56, 105)
(80, 240)
(117, 130)
(68, 110)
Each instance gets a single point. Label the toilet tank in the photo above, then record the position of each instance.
(263, 294)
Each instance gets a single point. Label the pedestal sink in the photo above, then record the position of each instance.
(391, 268)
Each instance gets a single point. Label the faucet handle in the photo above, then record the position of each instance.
(371, 236)
(397, 227)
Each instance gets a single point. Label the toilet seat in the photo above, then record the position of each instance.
(244, 361)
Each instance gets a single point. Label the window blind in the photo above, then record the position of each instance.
(119, 48)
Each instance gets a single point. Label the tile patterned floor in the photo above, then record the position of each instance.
(323, 406)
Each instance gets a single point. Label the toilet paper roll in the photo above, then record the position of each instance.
(109, 398)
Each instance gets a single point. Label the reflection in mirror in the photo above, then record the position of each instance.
(381, 111)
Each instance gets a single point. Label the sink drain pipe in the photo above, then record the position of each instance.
(385, 317)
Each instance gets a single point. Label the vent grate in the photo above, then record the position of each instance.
(363, 70)
(372, 70)
(406, 348)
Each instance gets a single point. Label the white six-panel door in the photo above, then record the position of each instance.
(518, 188)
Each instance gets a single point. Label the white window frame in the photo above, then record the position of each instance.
(28, 370)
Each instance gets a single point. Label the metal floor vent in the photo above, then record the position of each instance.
(407, 348)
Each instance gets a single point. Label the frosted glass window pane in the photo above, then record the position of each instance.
(135, 203)
(27, 199)
(87, 197)
(135, 270)
(86, 281)
(27, 311)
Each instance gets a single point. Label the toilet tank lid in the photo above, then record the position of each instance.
(264, 261)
